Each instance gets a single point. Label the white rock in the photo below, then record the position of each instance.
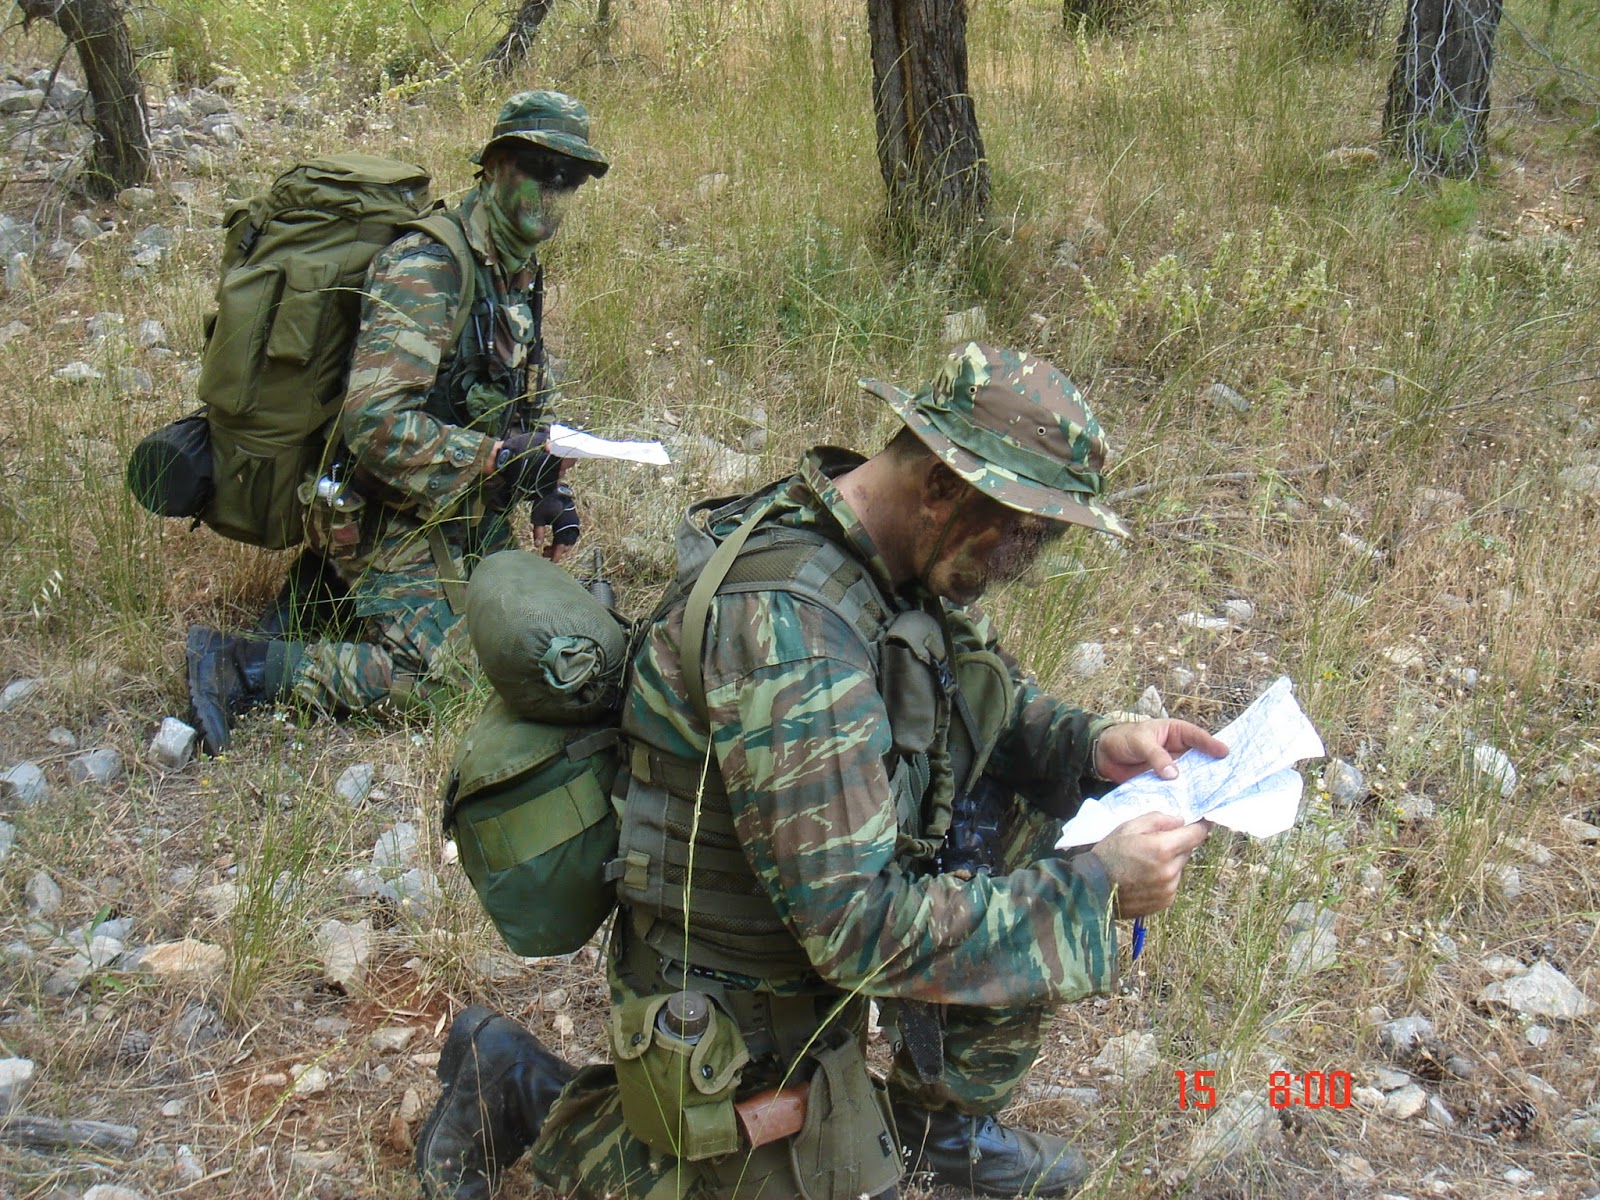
(1405, 1103)
(392, 1039)
(969, 326)
(1240, 612)
(25, 783)
(1312, 951)
(1517, 1177)
(1150, 704)
(221, 899)
(112, 1191)
(1509, 880)
(1368, 1099)
(185, 962)
(1346, 785)
(1494, 768)
(1387, 1079)
(1221, 394)
(136, 197)
(410, 1106)
(1543, 991)
(18, 692)
(1237, 1126)
(102, 766)
(63, 737)
(1530, 850)
(1581, 831)
(1465, 678)
(172, 1109)
(1131, 1056)
(1362, 547)
(1439, 1113)
(99, 953)
(150, 334)
(16, 1076)
(1204, 623)
(189, 1168)
(711, 185)
(173, 744)
(355, 784)
(1087, 659)
(1412, 808)
(76, 372)
(42, 895)
(1537, 1035)
(1503, 966)
(1181, 679)
(396, 848)
(315, 1160)
(310, 1081)
(1405, 1033)
(1405, 657)
(345, 950)
(8, 839)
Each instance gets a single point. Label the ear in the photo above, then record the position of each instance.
(942, 489)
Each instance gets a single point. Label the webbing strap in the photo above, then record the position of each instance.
(451, 575)
(698, 610)
(538, 825)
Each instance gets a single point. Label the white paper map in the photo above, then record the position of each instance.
(1255, 789)
(573, 443)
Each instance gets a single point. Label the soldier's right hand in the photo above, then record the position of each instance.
(522, 467)
(1144, 859)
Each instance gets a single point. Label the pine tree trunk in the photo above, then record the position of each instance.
(929, 147)
(1437, 112)
(512, 48)
(96, 30)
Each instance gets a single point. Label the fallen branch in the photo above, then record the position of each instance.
(1140, 489)
(46, 1134)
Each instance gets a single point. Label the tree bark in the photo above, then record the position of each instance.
(512, 48)
(96, 30)
(1437, 111)
(929, 148)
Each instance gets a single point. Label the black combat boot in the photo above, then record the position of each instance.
(227, 677)
(498, 1084)
(986, 1158)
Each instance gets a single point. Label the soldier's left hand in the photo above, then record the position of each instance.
(1139, 746)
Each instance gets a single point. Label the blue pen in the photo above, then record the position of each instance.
(1138, 936)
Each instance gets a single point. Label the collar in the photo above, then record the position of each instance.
(819, 467)
(475, 224)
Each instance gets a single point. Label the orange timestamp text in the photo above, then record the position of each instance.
(1285, 1089)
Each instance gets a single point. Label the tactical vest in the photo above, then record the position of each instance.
(690, 894)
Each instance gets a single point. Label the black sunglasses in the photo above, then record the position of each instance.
(555, 172)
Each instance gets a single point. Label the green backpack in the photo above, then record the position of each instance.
(277, 353)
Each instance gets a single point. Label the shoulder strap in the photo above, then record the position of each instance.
(448, 232)
(799, 561)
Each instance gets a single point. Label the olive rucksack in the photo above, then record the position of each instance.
(277, 352)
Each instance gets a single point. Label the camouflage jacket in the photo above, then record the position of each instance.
(800, 734)
(418, 453)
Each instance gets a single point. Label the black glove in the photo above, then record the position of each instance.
(557, 510)
(522, 467)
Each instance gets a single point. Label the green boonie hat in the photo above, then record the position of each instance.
(1016, 429)
(547, 119)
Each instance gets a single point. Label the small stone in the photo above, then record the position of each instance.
(310, 1081)
(106, 326)
(1131, 1056)
(84, 228)
(1351, 158)
(1465, 678)
(1181, 679)
(16, 1076)
(1387, 1079)
(1405, 1034)
(173, 744)
(100, 766)
(1239, 1125)
(1503, 966)
(396, 848)
(1414, 809)
(1542, 991)
(1204, 623)
(1517, 1177)
(8, 839)
(1494, 768)
(76, 372)
(25, 783)
(220, 899)
(1224, 396)
(1439, 1113)
(18, 692)
(1530, 850)
(1581, 831)
(1346, 785)
(972, 325)
(1314, 950)
(1537, 1035)
(330, 1027)
(1087, 659)
(1405, 1103)
(112, 1191)
(185, 962)
(1509, 880)
(392, 1039)
(1368, 1099)
(418, 893)
(1150, 704)
(1240, 612)
(345, 950)
(355, 783)
(149, 334)
(318, 1161)
(136, 198)
(1361, 546)
(198, 1027)
(711, 185)
(410, 1105)
(188, 1166)
(62, 737)
(133, 381)
(1404, 657)
(42, 895)
(10, 330)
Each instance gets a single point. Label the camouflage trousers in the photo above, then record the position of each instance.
(586, 1149)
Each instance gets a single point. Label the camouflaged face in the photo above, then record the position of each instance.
(547, 119)
(1015, 428)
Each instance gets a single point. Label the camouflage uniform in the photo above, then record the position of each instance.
(799, 734)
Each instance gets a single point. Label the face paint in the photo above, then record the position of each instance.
(525, 205)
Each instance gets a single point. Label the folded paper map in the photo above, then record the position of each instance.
(573, 443)
(1255, 789)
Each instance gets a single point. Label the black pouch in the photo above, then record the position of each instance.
(847, 1146)
(170, 472)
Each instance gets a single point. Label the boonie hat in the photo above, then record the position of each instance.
(1015, 428)
(547, 119)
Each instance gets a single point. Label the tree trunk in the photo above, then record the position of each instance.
(929, 147)
(121, 156)
(1438, 106)
(512, 48)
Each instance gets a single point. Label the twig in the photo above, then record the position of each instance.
(1140, 489)
(44, 1133)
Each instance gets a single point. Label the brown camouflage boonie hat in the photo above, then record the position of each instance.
(551, 120)
(1016, 429)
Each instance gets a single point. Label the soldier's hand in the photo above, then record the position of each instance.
(1144, 859)
(555, 522)
(1139, 746)
(522, 467)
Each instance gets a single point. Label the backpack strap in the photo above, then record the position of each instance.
(698, 609)
(447, 231)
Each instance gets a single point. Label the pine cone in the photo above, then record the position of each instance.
(134, 1046)
(1514, 1121)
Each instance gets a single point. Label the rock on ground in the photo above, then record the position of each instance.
(1132, 1055)
(188, 961)
(345, 950)
(355, 784)
(1542, 991)
(1239, 1125)
(173, 744)
(25, 783)
(16, 1076)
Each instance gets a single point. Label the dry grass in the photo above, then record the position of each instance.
(1389, 342)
